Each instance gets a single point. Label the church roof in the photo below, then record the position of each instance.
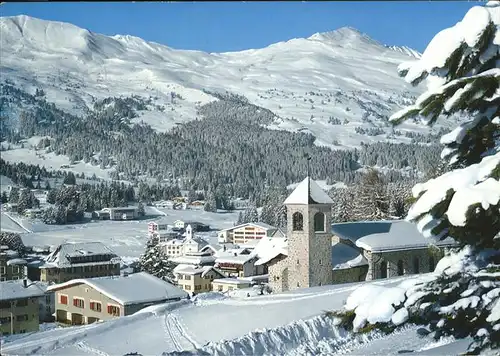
(308, 192)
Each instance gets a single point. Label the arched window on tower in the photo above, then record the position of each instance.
(319, 222)
(297, 221)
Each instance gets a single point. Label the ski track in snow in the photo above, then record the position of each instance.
(176, 332)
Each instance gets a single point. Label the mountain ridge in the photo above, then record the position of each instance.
(341, 75)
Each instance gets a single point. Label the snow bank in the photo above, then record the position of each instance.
(314, 336)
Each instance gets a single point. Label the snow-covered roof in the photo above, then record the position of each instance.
(16, 290)
(230, 281)
(193, 260)
(238, 259)
(360, 260)
(308, 192)
(60, 256)
(343, 254)
(16, 261)
(395, 235)
(256, 224)
(194, 270)
(132, 289)
(268, 248)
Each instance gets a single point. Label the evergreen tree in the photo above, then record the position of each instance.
(210, 203)
(47, 185)
(370, 200)
(251, 215)
(462, 65)
(5, 198)
(70, 179)
(51, 196)
(155, 262)
(25, 201)
(240, 219)
(14, 195)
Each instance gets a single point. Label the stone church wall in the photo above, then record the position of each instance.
(278, 274)
(350, 275)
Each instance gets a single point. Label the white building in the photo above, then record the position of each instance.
(246, 234)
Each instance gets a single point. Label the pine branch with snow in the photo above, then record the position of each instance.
(462, 297)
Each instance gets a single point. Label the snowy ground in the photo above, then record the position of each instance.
(290, 323)
(126, 238)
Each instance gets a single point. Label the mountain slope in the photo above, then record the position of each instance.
(328, 84)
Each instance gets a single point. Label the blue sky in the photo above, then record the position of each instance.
(232, 26)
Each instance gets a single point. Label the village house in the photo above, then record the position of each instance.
(316, 253)
(242, 265)
(225, 285)
(195, 225)
(11, 266)
(123, 213)
(79, 260)
(244, 234)
(161, 231)
(19, 307)
(196, 279)
(85, 301)
(189, 245)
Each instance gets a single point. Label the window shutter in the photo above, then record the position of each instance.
(92, 305)
(109, 309)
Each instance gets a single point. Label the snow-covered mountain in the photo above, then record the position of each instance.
(406, 50)
(329, 84)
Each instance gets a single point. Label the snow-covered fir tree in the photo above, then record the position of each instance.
(370, 199)
(462, 298)
(155, 262)
(251, 215)
(13, 241)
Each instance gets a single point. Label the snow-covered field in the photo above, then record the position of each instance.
(289, 323)
(126, 238)
(343, 74)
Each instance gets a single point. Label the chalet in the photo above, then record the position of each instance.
(249, 233)
(19, 307)
(79, 260)
(196, 279)
(161, 231)
(239, 265)
(85, 301)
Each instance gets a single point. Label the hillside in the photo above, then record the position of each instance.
(340, 86)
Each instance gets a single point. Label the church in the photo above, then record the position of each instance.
(315, 252)
(308, 259)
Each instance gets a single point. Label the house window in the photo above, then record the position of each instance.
(5, 305)
(113, 310)
(219, 288)
(23, 317)
(383, 269)
(297, 221)
(432, 264)
(187, 278)
(197, 287)
(416, 265)
(400, 268)
(180, 276)
(319, 222)
(79, 303)
(2, 269)
(187, 287)
(22, 303)
(95, 306)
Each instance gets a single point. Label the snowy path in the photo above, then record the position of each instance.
(85, 347)
(10, 224)
(177, 333)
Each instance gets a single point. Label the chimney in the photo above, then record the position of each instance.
(25, 283)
